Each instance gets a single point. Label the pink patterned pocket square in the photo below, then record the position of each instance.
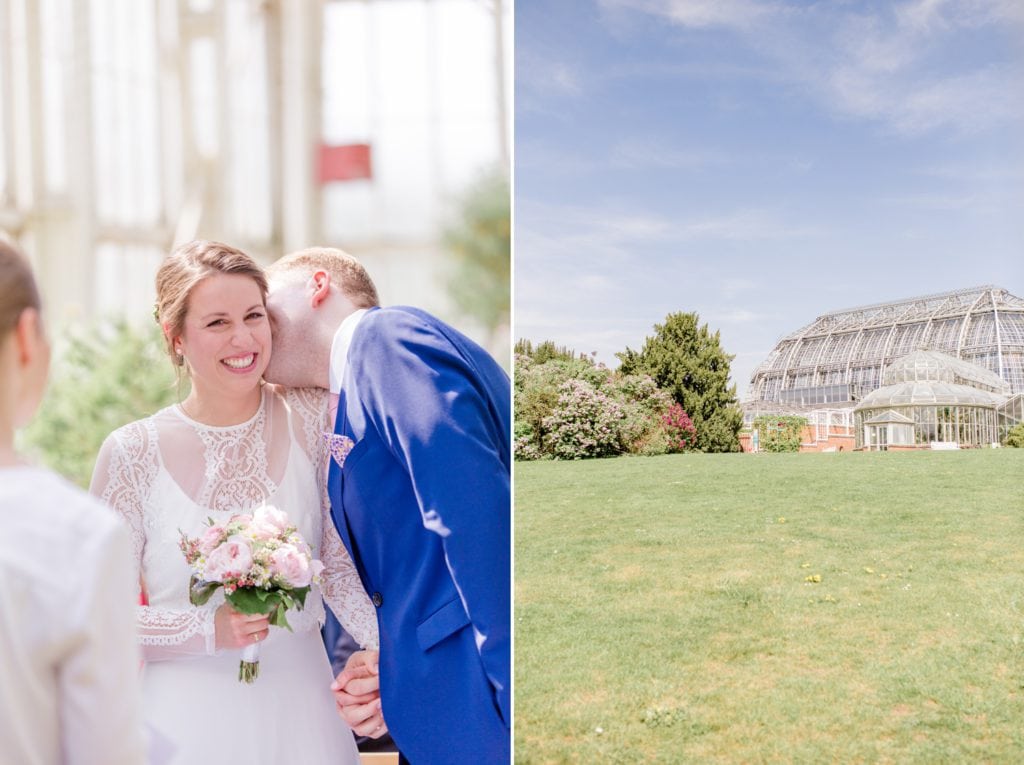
(338, 446)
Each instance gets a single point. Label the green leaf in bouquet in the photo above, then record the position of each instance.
(277, 616)
(199, 591)
(250, 600)
(299, 594)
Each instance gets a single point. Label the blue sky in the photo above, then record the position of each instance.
(760, 163)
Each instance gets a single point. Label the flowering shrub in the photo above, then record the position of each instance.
(642, 402)
(549, 413)
(585, 423)
(682, 435)
(537, 391)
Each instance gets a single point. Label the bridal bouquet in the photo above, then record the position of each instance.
(263, 564)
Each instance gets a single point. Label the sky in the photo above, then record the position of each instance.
(760, 162)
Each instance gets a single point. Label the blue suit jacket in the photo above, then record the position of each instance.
(423, 505)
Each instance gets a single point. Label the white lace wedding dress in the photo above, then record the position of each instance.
(166, 474)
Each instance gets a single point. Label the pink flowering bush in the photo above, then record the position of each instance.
(643, 402)
(679, 429)
(585, 423)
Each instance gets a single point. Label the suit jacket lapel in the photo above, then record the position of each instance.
(336, 482)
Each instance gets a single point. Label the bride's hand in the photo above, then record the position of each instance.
(237, 630)
(357, 695)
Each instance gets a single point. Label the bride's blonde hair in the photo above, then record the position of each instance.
(18, 289)
(187, 266)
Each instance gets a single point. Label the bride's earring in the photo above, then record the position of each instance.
(180, 357)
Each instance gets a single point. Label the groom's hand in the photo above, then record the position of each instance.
(357, 694)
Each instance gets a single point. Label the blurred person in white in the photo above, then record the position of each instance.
(233, 444)
(69, 688)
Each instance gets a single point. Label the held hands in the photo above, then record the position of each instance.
(237, 630)
(357, 694)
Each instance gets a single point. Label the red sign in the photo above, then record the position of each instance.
(344, 163)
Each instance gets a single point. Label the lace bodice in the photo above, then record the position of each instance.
(168, 473)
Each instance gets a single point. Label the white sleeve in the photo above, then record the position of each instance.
(98, 679)
(123, 475)
(343, 589)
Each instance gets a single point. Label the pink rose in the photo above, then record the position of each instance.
(230, 560)
(268, 522)
(210, 539)
(288, 564)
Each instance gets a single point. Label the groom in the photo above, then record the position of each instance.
(422, 500)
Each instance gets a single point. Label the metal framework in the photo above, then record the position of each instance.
(842, 356)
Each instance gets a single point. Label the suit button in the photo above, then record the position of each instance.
(378, 599)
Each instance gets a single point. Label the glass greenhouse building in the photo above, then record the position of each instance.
(930, 397)
(940, 369)
(842, 356)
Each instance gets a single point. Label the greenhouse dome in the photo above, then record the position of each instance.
(931, 398)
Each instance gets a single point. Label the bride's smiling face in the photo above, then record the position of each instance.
(226, 338)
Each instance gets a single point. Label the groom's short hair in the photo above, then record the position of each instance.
(345, 270)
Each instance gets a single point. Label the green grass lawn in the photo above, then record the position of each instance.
(664, 611)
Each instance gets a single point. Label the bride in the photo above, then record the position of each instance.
(233, 444)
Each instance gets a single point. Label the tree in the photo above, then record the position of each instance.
(687, 360)
(546, 351)
(107, 377)
(480, 242)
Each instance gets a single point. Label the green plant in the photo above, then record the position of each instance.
(106, 377)
(778, 433)
(481, 244)
(1015, 436)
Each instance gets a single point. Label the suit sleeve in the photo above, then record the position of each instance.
(432, 409)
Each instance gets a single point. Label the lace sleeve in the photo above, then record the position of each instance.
(342, 588)
(124, 473)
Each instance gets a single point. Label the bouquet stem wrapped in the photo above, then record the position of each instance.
(263, 564)
(249, 666)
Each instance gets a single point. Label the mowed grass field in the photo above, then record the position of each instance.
(771, 608)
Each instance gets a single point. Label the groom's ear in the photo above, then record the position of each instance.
(319, 287)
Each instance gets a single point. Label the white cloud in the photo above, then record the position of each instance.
(735, 287)
(637, 154)
(736, 316)
(888, 64)
(940, 202)
(698, 13)
(543, 77)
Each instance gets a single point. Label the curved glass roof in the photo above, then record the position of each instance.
(925, 392)
(857, 346)
(936, 366)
